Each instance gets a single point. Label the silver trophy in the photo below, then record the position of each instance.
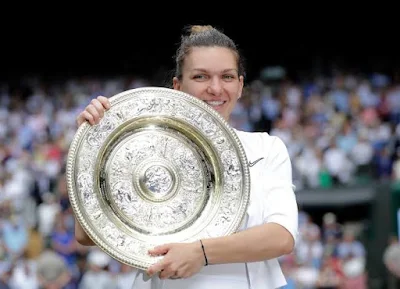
(160, 167)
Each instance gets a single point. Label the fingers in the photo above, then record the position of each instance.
(95, 114)
(159, 250)
(85, 115)
(80, 119)
(178, 261)
(166, 270)
(94, 111)
(155, 268)
(104, 101)
(166, 273)
(97, 106)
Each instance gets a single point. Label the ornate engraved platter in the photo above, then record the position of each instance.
(160, 167)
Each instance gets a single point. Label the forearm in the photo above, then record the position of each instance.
(81, 236)
(259, 243)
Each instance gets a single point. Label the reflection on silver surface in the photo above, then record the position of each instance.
(161, 166)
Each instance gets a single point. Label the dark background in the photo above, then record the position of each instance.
(56, 45)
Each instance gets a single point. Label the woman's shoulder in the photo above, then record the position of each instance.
(260, 140)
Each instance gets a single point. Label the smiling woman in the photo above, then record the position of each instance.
(209, 67)
(205, 75)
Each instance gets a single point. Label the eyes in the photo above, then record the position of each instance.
(204, 77)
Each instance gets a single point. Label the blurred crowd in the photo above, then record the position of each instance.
(326, 256)
(339, 130)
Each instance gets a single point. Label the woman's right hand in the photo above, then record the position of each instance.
(94, 111)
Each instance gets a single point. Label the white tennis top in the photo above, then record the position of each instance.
(272, 199)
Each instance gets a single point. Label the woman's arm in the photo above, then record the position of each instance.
(81, 236)
(259, 243)
(277, 235)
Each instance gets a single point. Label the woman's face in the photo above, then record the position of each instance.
(211, 75)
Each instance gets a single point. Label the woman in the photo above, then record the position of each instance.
(209, 67)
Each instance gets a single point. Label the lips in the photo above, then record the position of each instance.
(214, 102)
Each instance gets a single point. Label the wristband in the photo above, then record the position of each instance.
(204, 253)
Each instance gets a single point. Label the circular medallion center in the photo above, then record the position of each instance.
(158, 180)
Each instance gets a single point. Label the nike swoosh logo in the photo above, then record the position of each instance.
(251, 164)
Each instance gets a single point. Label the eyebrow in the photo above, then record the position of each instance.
(223, 71)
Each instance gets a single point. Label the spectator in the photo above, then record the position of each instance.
(5, 276)
(350, 247)
(52, 271)
(47, 214)
(97, 275)
(15, 236)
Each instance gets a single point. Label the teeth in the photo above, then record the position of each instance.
(214, 102)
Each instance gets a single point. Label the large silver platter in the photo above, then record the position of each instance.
(160, 167)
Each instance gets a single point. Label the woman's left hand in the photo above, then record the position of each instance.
(181, 260)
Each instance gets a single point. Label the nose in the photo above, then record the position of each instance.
(215, 86)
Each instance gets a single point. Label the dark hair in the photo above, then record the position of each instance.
(205, 36)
